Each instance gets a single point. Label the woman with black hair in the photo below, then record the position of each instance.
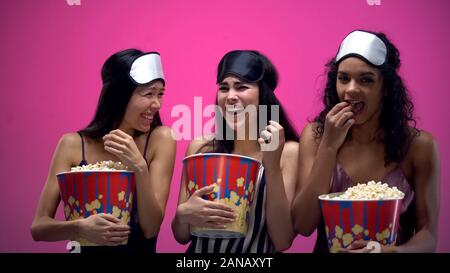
(245, 79)
(367, 132)
(126, 128)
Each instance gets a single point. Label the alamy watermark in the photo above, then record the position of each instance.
(251, 121)
(73, 2)
(373, 2)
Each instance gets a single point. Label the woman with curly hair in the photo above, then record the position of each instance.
(366, 131)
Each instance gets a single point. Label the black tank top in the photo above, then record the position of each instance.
(137, 243)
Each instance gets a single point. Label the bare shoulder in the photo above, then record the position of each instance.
(290, 153)
(68, 149)
(309, 134)
(423, 139)
(161, 141)
(290, 150)
(162, 133)
(70, 141)
(423, 147)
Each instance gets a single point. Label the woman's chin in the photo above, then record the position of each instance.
(235, 126)
(144, 128)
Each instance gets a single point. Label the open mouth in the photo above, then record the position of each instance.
(357, 105)
(234, 109)
(148, 117)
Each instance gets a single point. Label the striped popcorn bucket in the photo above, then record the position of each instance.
(85, 193)
(235, 178)
(351, 220)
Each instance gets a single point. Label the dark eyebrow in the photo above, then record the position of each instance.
(368, 74)
(153, 89)
(157, 89)
(364, 73)
(234, 83)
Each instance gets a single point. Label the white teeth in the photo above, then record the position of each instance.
(147, 116)
(234, 109)
(356, 105)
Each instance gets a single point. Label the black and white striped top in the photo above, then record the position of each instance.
(256, 240)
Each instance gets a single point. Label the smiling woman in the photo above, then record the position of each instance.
(245, 79)
(126, 128)
(365, 132)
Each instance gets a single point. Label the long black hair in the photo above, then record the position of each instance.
(397, 113)
(267, 86)
(116, 93)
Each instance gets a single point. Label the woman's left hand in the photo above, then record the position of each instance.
(273, 137)
(362, 246)
(123, 146)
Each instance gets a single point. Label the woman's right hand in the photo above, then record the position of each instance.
(337, 123)
(204, 213)
(104, 229)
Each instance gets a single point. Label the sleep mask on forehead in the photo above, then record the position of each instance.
(147, 68)
(242, 64)
(364, 45)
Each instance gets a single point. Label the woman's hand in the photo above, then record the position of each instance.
(362, 246)
(123, 146)
(104, 229)
(204, 213)
(268, 135)
(337, 123)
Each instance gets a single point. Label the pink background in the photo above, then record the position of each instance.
(52, 54)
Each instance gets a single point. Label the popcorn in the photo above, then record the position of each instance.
(383, 235)
(71, 200)
(125, 217)
(357, 229)
(370, 191)
(101, 166)
(116, 211)
(339, 231)
(250, 187)
(240, 182)
(234, 197)
(94, 205)
(191, 185)
(336, 245)
(353, 214)
(121, 195)
(67, 210)
(347, 239)
(131, 198)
